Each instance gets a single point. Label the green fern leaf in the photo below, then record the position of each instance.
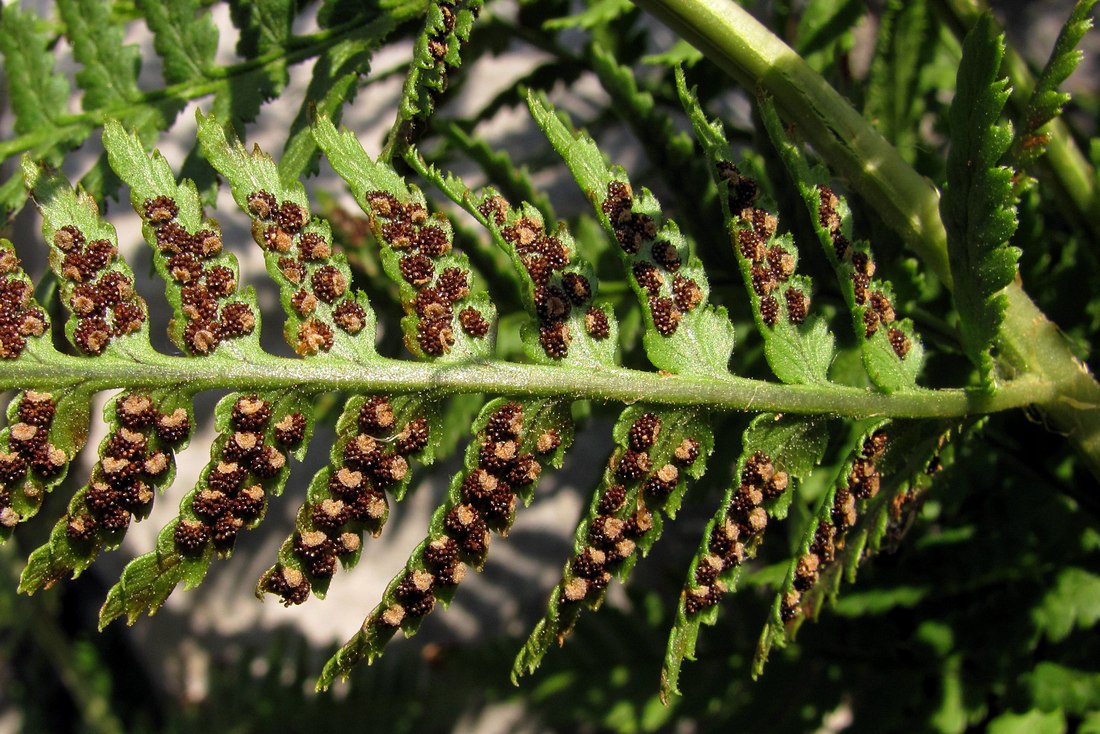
(799, 348)
(978, 205)
(437, 52)
(896, 87)
(431, 270)
(185, 39)
(683, 334)
(1046, 100)
(39, 96)
(892, 353)
(539, 430)
(645, 479)
(556, 282)
(777, 451)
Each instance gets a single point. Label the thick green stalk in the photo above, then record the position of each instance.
(62, 373)
(1029, 343)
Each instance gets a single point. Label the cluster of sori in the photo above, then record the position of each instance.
(303, 257)
(232, 491)
(96, 292)
(487, 502)
(205, 289)
(330, 526)
(440, 37)
(654, 263)
(437, 42)
(19, 317)
(623, 516)
(862, 484)
(735, 536)
(878, 309)
(770, 265)
(134, 456)
(558, 286)
(408, 230)
(28, 448)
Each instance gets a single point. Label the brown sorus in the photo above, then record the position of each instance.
(612, 499)
(376, 414)
(328, 283)
(435, 336)
(632, 465)
(686, 293)
(349, 316)
(68, 238)
(312, 246)
(548, 441)
(506, 422)
(201, 336)
(769, 310)
(687, 452)
(554, 339)
(797, 305)
(191, 535)
(237, 319)
(92, 335)
(596, 323)
(37, 408)
(666, 255)
(900, 342)
(473, 323)
(135, 410)
(453, 284)
(267, 462)
(577, 287)
(220, 281)
(413, 437)
(644, 432)
(290, 430)
(173, 427)
(432, 241)
(648, 277)
(314, 336)
(262, 205)
(292, 217)
(127, 318)
(666, 317)
(292, 270)
(416, 269)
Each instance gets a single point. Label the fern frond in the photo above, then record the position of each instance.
(39, 95)
(644, 480)
(438, 51)
(876, 490)
(777, 452)
(45, 431)
(797, 343)
(1046, 101)
(683, 333)
(896, 82)
(891, 351)
(514, 442)
(978, 206)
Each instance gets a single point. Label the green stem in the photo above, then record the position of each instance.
(1029, 343)
(726, 392)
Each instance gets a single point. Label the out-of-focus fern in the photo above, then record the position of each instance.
(792, 483)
